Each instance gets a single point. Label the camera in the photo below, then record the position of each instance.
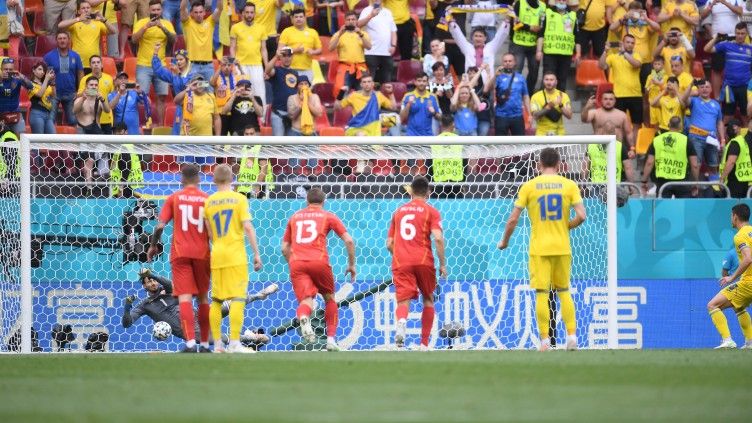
(286, 50)
(154, 17)
(231, 60)
(202, 84)
(130, 85)
(350, 27)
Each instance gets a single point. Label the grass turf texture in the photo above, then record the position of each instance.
(662, 385)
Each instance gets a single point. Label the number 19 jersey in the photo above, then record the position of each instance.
(548, 200)
(189, 237)
(411, 231)
(306, 233)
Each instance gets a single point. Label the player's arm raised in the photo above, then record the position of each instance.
(743, 265)
(250, 232)
(438, 240)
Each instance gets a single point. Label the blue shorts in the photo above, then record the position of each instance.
(706, 154)
(145, 77)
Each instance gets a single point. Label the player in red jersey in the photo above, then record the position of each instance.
(304, 247)
(189, 254)
(413, 269)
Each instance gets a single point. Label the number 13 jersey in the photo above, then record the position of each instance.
(189, 237)
(411, 231)
(306, 233)
(548, 200)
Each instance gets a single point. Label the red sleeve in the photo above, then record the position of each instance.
(390, 234)
(287, 237)
(336, 225)
(436, 220)
(165, 216)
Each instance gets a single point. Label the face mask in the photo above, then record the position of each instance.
(561, 6)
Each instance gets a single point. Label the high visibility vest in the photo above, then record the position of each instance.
(135, 176)
(449, 168)
(9, 136)
(743, 165)
(671, 156)
(559, 35)
(531, 17)
(248, 173)
(599, 162)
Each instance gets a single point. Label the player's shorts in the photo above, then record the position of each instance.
(190, 276)
(409, 280)
(739, 294)
(230, 282)
(550, 271)
(310, 278)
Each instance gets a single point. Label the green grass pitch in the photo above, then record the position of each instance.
(471, 386)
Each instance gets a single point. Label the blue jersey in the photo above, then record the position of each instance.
(10, 94)
(730, 262)
(705, 114)
(738, 61)
(512, 107)
(420, 120)
(66, 70)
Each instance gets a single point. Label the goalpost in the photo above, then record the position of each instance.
(79, 247)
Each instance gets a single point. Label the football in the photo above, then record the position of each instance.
(161, 331)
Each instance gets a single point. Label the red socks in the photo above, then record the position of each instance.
(303, 310)
(186, 320)
(426, 323)
(402, 311)
(332, 317)
(203, 322)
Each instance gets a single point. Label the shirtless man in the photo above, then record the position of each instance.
(609, 114)
(87, 107)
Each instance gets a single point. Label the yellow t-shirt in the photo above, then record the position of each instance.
(685, 81)
(742, 240)
(400, 10)
(670, 107)
(85, 39)
(628, 76)
(643, 41)
(106, 86)
(249, 39)
(619, 12)
(198, 39)
(654, 89)
(111, 14)
(669, 52)
(689, 8)
(357, 100)
(222, 91)
(596, 14)
(45, 99)
(151, 37)
(538, 102)
(225, 212)
(308, 38)
(266, 11)
(201, 119)
(350, 47)
(548, 200)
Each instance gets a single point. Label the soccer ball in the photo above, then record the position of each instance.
(161, 331)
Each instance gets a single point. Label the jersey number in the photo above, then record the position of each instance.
(222, 229)
(407, 229)
(550, 207)
(305, 231)
(186, 213)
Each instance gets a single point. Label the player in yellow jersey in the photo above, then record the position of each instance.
(227, 219)
(548, 199)
(737, 295)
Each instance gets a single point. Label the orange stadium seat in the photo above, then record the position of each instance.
(342, 117)
(109, 67)
(129, 67)
(698, 70)
(332, 131)
(65, 129)
(169, 115)
(39, 25)
(326, 54)
(589, 74)
(322, 121)
(266, 131)
(645, 137)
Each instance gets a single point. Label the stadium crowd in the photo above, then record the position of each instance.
(404, 67)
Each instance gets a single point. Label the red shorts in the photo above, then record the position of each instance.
(310, 278)
(408, 280)
(190, 276)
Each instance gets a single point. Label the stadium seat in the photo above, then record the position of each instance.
(698, 70)
(28, 30)
(179, 44)
(26, 64)
(326, 55)
(266, 131)
(23, 101)
(589, 74)
(644, 139)
(602, 88)
(332, 131)
(109, 67)
(331, 72)
(407, 69)
(65, 129)
(39, 26)
(399, 90)
(45, 44)
(325, 93)
(129, 67)
(342, 117)
(33, 6)
(169, 115)
(322, 121)
(161, 130)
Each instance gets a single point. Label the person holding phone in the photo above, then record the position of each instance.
(86, 108)
(86, 31)
(41, 95)
(675, 44)
(350, 43)
(106, 86)
(10, 95)
(284, 81)
(248, 51)
(200, 112)
(124, 103)
(379, 24)
(242, 109)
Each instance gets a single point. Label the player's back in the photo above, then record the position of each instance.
(743, 239)
(410, 229)
(548, 200)
(307, 231)
(189, 236)
(226, 211)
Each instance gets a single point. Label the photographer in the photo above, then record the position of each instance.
(41, 95)
(351, 43)
(200, 113)
(86, 32)
(242, 109)
(10, 94)
(675, 44)
(283, 79)
(636, 22)
(625, 75)
(225, 80)
(548, 106)
(87, 108)
(510, 90)
(124, 103)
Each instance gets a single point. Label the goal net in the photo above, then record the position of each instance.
(75, 213)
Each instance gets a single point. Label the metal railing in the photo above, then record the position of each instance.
(691, 183)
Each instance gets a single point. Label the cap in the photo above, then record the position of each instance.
(122, 75)
(303, 78)
(182, 52)
(244, 81)
(197, 77)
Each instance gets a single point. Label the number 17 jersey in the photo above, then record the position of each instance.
(306, 233)
(548, 200)
(189, 236)
(411, 231)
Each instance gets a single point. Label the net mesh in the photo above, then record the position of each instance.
(89, 235)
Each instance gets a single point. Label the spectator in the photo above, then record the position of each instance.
(248, 48)
(171, 12)
(548, 106)
(106, 86)
(128, 10)
(484, 21)
(266, 18)
(625, 75)
(558, 42)
(303, 108)
(738, 60)
(381, 29)
(243, 109)
(436, 55)
(736, 163)
(685, 78)
(350, 42)
(15, 11)
(609, 117)
(124, 103)
(478, 52)
(199, 36)
(654, 86)
(526, 28)
(419, 108)
(148, 33)
(441, 21)
(107, 8)
(595, 29)
(86, 108)
(283, 80)
(682, 14)
(86, 32)
(636, 23)
(327, 13)
(10, 112)
(366, 104)
(224, 83)
(68, 71)
(178, 78)
(465, 106)
(675, 44)
(484, 114)
(705, 124)
(200, 113)
(427, 23)
(724, 15)
(671, 158)
(304, 41)
(57, 10)
(41, 96)
(405, 26)
(510, 90)
(441, 86)
(669, 104)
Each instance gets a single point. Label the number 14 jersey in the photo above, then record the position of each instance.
(189, 237)
(306, 233)
(411, 231)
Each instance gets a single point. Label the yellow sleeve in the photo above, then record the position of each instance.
(574, 193)
(138, 25)
(383, 101)
(316, 40)
(81, 85)
(565, 101)
(522, 195)
(345, 101)
(234, 31)
(102, 28)
(284, 37)
(637, 56)
(242, 208)
(535, 102)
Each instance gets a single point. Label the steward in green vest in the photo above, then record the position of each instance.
(557, 42)
(251, 167)
(126, 167)
(736, 164)
(668, 158)
(526, 28)
(447, 164)
(599, 162)
(7, 158)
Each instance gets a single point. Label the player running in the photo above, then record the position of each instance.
(738, 295)
(413, 268)
(189, 255)
(304, 247)
(548, 199)
(227, 219)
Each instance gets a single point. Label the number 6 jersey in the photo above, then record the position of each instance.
(411, 231)
(306, 233)
(189, 237)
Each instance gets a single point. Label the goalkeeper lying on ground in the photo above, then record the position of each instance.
(161, 306)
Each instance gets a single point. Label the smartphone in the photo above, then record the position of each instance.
(91, 91)
(231, 60)
(377, 5)
(614, 44)
(154, 17)
(203, 84)
(130, 85)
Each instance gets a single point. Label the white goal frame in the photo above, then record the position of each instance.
(27, 141)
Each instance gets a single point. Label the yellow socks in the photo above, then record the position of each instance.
(215, 321)
(567, 311)
(719, 320)
(542, 313)
(746, 323)
(236, 319)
